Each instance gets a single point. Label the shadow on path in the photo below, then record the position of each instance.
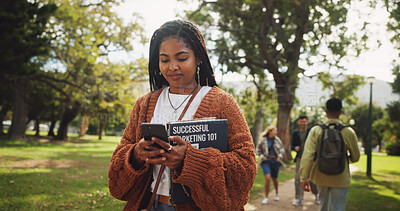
(286, 193)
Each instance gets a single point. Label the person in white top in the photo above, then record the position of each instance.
(181, 76)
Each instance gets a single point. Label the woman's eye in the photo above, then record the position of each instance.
(164, 60)
(182, 59)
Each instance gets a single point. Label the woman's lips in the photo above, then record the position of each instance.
(175, 77)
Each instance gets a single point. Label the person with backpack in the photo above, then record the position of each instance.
(298, 140)
(328, 150)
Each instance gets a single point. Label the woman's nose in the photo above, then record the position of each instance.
(173, 66)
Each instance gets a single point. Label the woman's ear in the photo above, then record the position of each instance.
(198, 61)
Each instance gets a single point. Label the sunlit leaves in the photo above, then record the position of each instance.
(342, 86)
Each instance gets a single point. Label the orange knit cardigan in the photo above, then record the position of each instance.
(218, 181)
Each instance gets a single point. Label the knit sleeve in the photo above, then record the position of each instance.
(221, 181)
(125, 180)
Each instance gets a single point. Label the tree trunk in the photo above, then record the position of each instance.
(37, 126)
(258, 120)
(70, 112)
(258, 126)
(20, 109)
(285, 103)
(52, 125)
(101, 127)
(283, 126)
(6, 107)
(84, 120)
(365, 144)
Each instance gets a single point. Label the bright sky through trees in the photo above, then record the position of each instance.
(375, 62)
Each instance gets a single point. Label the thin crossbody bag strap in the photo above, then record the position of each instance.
(153, 196)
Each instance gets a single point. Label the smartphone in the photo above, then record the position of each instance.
(154, 130)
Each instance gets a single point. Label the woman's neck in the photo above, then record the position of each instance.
(182, 90)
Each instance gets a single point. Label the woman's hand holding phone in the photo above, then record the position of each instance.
(171, 156)
(159, 146)
(141, 152)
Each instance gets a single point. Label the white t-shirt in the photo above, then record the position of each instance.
(164, 113)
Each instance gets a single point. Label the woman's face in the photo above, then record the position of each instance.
(178, 65)
(273, 133)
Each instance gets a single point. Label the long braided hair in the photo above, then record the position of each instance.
(189, 34)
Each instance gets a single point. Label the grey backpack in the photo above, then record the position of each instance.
(331, 154)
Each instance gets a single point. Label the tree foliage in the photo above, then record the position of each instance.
(22, 40)
(77, 76)
(361, 117)
(393, 7)
(343, 87)
(111, 97)
(272, 37)
(258, 108)
(44, 103)
(83, 34)
(22, 36)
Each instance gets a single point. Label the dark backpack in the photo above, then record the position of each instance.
(331, 154)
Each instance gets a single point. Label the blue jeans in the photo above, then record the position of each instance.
(159, 206)
(332, 198)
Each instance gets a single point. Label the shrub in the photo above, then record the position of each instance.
(393, 147)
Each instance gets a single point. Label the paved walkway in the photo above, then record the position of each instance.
(286, 193)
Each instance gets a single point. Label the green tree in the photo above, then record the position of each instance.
(83, 34)
(393, 145)
(382, 130)
(44, 102)
(361, 117)
(112, 97)
(344, 87)
(271, 37)
(257, 105)
(5, 102)
(22, 39)
(108, 106)
(393, 7)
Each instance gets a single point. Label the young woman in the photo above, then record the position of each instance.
(179, 67)
(270, 149)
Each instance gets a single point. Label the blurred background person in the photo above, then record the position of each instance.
(271, 151)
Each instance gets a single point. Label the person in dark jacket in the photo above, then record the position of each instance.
(298, 140)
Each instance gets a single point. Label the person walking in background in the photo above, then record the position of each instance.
(332, 189)
(182, 86)
(298, 139)
(270, 149)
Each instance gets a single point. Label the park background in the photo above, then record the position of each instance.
(72, 69)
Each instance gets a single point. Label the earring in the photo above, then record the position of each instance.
(159, 73)
(198, 74)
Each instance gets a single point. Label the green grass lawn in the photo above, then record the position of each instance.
(68, 175)
(56, 175)
(72, 175)
(382, 192)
